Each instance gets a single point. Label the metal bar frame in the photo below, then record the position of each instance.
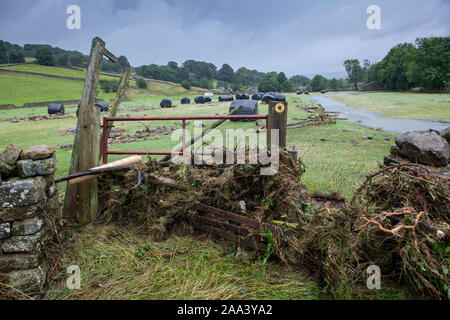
(106, 125)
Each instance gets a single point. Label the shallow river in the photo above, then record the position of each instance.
(374, 119)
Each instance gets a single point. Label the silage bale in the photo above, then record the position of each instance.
(165, 103)
(104, 107)
(199, 99)
(54, 108)
(185, 101)
(249, 107)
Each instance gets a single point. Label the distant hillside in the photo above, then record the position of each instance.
(28, 83)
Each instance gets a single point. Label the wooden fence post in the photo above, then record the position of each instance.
(116, 103)
(277, 120)
(89, 131)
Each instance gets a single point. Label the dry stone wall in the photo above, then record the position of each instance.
(28, 198)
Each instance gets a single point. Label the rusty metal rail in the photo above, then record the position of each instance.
(107, 121)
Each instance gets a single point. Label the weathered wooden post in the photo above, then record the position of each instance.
(277, 120)
(86, 148)
(115, 106)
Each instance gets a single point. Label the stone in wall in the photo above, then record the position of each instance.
(17, 193)
(37, 152)
(32, 280)
(31, 168)
(19, 213)
(28, 199)
(8, 159)
(30, 243)
(19, 261)
(27, 227)
(5, 230)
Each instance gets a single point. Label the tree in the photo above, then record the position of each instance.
(185, 84)
(269, 82)
(3, 57)
(16, 56)
(173, 65)
(226, 74)
(123, 61)
(431, 67)
(63, 60)
(334, 84)
(354, 71)
(299, 80)
(287, 86)
(281, 77)
(318, 83)
(45, 57)
(76, 60)
(393, 70)
(141, 83)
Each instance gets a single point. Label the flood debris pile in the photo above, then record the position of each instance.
(398, 219)
(319, 116)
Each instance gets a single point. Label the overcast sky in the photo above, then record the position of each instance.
(294, 36)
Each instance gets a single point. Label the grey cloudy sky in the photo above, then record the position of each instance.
(294, 36)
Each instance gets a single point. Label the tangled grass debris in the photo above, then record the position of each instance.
(397, 220)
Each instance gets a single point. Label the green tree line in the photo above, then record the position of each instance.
(426, 64)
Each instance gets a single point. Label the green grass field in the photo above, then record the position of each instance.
(55, 71)
(401, 104)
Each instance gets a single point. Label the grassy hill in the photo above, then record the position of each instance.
(17, 89)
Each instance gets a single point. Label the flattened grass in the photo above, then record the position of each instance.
(401, 104)
(118, 263)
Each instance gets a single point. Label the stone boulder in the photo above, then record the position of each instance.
(424, 147)
(446, 134)
(8, 158)
(38, 152)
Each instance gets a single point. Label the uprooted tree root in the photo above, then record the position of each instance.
(397, 220)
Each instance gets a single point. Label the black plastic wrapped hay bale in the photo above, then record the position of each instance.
(226, 98)
(165, 103)
(271, 96)
(199, 99)
(55, 108)
(257, 96)
(208, 99)
(104, 107)
(242, 96)
(249, 107)
(185, 101)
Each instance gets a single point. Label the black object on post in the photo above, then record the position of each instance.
(54, 108)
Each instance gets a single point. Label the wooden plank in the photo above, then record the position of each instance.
(110, 55)
(89, 131)
(222, 225)
(232, 237)
(237, 218)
